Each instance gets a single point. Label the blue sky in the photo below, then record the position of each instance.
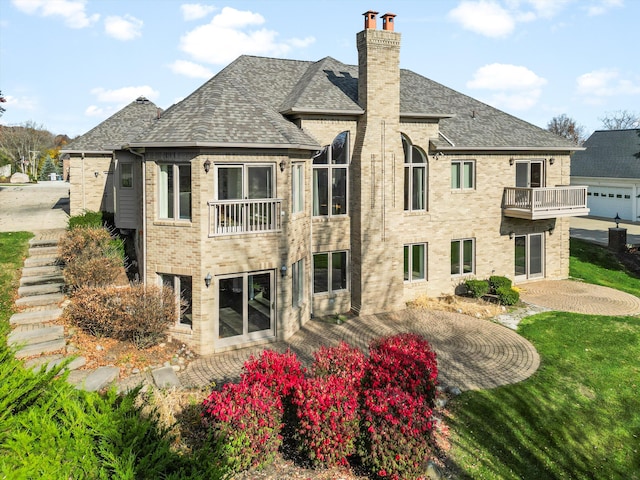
(70, 64)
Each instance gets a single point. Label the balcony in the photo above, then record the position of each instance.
(545, 202)
(232, 217)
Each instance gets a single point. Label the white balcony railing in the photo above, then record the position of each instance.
(227, 217)
(545, 202)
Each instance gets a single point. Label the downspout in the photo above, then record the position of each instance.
(82, 170)
(144, 215)
(311, 246)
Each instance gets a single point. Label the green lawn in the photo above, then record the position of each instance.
(578, 416)
(13, 249)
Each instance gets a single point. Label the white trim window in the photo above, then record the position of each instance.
(330, 272)
(297, 286)
(174, 191)
(182, 287)
(415, 262)
(463, 256)
(330, 178)
(463, 174)
(248, 181)
(415, 176)
(297, 187)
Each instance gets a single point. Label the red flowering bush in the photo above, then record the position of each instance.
(247, 420)
(405, 361)
(327, 414)
(279, 372)
(396, 433)
(342, 361)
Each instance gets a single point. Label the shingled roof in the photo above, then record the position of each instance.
(250, 102)
(610, 154)
(117, 130)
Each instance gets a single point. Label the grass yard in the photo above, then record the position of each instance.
(13, 249)
(578, 417)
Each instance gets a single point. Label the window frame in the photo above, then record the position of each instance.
(408, 251)
(244, 172)
(460, 180)
(176, 285)
(410, 168)
(331, 168)
(174, 189)
(330, 280)
(126, 175)
(297, 283)
(297, 187)
(461, 259)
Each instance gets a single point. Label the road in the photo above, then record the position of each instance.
(34, 207)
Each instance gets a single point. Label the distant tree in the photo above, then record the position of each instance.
(2, 100)
(620, 120)
(48, 167)
(567, 127)
(25, 145)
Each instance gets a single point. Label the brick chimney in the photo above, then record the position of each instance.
(377, 162)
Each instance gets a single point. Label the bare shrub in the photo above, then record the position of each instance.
(80, 240)
(134, 313)
(88, 270)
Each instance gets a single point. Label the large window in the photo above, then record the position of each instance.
(415, 262)
(236, 182)
(126, 175)
(174, 195)
(462, 256)
(330, 178)
(297, 276)
(462, 174)
(181, 286)
(329, 272)
(297, 187)
(415, 176)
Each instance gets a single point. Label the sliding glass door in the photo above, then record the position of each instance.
(529, 256)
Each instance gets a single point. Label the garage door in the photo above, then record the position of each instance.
(607, 201)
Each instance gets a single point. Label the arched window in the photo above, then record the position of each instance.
(415, 176)
(330, 169)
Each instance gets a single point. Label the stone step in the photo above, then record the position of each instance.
(52, 361)
(42, 270)
(40, 289)
(35, 316)
(165, 377)
(96, 380)
(40, 348)
(48, 242)
(40, 300)
(40, 261)
(32, 334)
(56, 277)
(50, 251)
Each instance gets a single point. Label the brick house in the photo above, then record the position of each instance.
(89, 160)
(281, 190)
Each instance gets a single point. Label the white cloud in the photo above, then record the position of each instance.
(484, 17)
(95, 111)
(190, 69)
(548, 8)
(123, 28)
(515, 87)
(603, 6)
(72, 11)
(195, 11)
(230, 34)
(20, 103)
(606, 83)
(125, 95)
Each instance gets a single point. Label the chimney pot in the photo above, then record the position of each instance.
(370, 19)
(387, 21)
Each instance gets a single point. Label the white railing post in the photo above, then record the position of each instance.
(244, 216)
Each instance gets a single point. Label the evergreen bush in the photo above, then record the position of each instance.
(88, 219)
(507, 295)
(477, 288)
(497, 281)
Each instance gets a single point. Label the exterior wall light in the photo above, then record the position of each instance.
(283, 271)
(207, 280)
(512, 161)
(283, 165)
(617, 220)
(511, 235)
(96, 174)
(207, 165)
(552, 161)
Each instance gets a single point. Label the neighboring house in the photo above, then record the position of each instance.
(88, 159)
(282, 189)
(610, 167)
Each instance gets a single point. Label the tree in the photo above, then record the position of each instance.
(25, 145)
(620, 120)
(567, 127)
(2, 100)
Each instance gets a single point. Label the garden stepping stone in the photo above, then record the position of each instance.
(42, 270)
(39, 348)
(40, 261)
(52, 361)
(40, 289)
(40, 300)
(54, 277)
(98, 379)
(35, 316)
(165, 377)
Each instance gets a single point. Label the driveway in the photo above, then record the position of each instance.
(34, 207)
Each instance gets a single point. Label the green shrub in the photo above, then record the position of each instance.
(477, 288)
(87, 219)
(133, 313)
(507, 296)
(497, 281)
